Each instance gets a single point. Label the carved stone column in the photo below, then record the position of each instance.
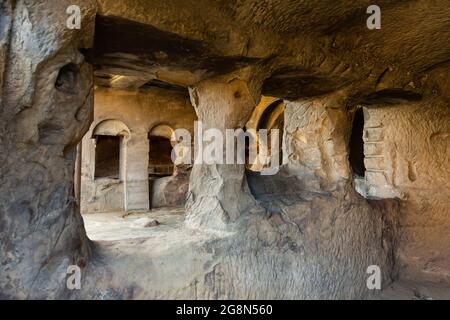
(218, 192)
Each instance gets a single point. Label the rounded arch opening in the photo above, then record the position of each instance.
(111, 127)
(160, 162)
(272, 118)
(109, 149)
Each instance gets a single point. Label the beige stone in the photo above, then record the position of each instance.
(365, 172)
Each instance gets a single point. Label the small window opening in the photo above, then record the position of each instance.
(107, 157)
(160, 160)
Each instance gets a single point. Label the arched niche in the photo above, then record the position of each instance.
(111, 127)
(161, 130)
(160, 149)
(110, 149)
(268, 115)
(272, 117)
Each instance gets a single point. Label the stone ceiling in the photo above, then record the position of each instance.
(306, 48)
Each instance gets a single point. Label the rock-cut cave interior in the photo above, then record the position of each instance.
(90, 103)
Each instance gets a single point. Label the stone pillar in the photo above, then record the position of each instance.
(218, 193)
(135, 171)
(77, 174)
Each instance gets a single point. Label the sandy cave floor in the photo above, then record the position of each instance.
(411, 290)
(120, 231)
(111, 226)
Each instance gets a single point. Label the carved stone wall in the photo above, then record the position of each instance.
(140, 112)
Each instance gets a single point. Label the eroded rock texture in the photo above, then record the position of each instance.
(46, 108)
(171, 191)
(223, 103)
(415, 152)
(309, 231)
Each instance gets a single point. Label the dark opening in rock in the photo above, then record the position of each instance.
(273, 119)
(67, 78)
(107, 157)
(160, 162)
(391, 96)
(356, 156)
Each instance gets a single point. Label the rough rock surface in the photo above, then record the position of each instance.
(221, 103)
(146, 223)
(414, 156)
(47, 102)
(171, 191)
(316, 239)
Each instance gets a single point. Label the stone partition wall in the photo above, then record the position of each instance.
(140, 111)
(103, 194)
(379, 158)
(316, 141)
(407, 158)
(413, 155)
